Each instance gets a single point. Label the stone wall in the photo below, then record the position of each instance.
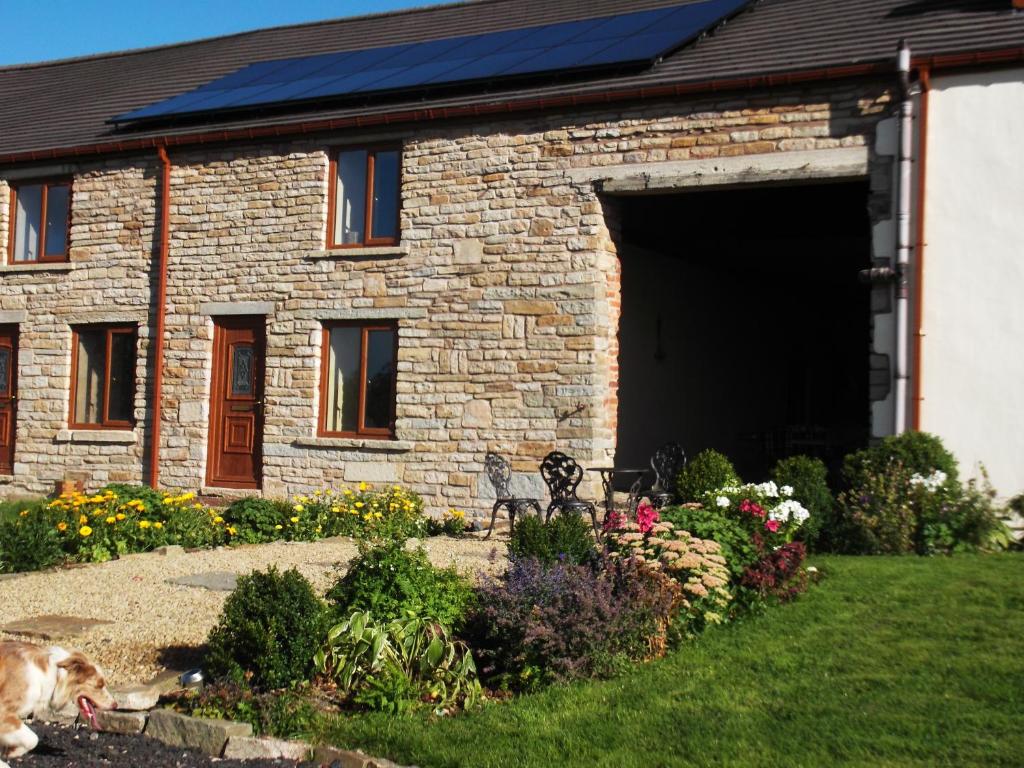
(506, 292)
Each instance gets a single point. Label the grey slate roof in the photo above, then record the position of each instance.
(66, 104)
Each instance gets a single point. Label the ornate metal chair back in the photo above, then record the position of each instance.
(667, 462)
(499, 472)
(561, 474)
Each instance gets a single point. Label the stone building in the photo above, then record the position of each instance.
(280, 295)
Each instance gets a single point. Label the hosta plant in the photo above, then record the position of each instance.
(398, 665)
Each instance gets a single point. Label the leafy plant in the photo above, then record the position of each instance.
(392, 582)
(708, 471)
(564, 538)
(255, 520)
(268, 631)
(778, 574)
(393, 666)
(918, 453)
(452, 523)
(710, 524)
(539, 623)
(286, 714)
(808, 477)
(29, 542)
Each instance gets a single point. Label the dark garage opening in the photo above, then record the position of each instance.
(744, 327)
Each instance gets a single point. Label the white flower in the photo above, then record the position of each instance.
(811, 569)
(786, 490)
(790, 509)
(932, 483)
(769, 489)
(722, 501)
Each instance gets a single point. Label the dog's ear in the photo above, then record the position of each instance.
(76, 665)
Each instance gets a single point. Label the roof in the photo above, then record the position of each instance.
(53, 106)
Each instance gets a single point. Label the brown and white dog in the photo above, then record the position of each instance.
(32, 678)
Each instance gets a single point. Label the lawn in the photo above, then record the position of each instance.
(888, 662)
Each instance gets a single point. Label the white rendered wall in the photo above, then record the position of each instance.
(972, 368)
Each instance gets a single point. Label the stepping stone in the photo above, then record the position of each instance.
(50, 627)
(215, 581)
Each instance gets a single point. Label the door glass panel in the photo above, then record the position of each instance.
(27, 226)
(57, 220)
(342, 409)
(5, 371)
(385, 194)
(121, 405)
(350, 198)
(241, 370)
(380, 377)
(89, 383)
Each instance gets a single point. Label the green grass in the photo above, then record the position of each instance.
(887, 662)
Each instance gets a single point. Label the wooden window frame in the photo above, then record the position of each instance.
(361, 431)
(369, 240)
(111, 330)
(13, 221)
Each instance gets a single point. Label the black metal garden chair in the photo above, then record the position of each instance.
(667, 462)
(499, 472)
(562, 475)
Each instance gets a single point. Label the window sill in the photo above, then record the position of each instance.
(355, 443)
(114, 436)
(37, 266)
(369, 252)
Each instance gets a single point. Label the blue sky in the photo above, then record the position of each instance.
(57, 29)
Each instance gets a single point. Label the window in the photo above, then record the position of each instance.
(103, 377)
(358, 380)
(364, 197)
(41, 213)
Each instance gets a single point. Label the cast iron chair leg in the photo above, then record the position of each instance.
(593, 516)
(494, 516)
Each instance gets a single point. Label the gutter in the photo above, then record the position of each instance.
(924, 83)
(951, 61)
(157, 338)
(902, 261)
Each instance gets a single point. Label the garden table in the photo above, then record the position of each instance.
(608, 475)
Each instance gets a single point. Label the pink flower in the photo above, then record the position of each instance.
(646, 517)
(752, 508)
(613, 522)
(772, 525)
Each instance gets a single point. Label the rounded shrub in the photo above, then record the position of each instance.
(566, 538)
(918, 453)
(268, 632)
(708, 471)
(392, 582)
(808, 477)
(254, 520)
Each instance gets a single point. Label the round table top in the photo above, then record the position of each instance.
(617, 469)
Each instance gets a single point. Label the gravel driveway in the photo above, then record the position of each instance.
(62, 746)
(157, 625)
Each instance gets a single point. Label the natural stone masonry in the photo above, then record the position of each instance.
(206, 736)
(505, 289)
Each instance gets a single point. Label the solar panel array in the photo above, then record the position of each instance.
(631, 38)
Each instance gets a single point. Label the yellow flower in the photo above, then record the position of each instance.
(359, 504)
(295, 519)
(62, 526)
(278, 527)
(120, 516)
(23, 513)
(197, 505)
(218, 520)
(158, 525)
(144, 523)
(298, 507)
(335, 508)
(85, 531)
(232, 530)
(362, 486)
(111, 520)
(83, 519)
(348, 492)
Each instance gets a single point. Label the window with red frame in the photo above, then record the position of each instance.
(40, 217)
(103, 377)
(357, 385)
(364, 201)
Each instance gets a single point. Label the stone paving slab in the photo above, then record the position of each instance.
(215, 581)
(52, 626)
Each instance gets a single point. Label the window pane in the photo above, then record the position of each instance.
(380, 376)
(386, 174)
(350, 200)
(89, 376)
(121, 405)
(242, 370)
(343, 380)
(57, 220)
(5, 370)
(26, 228)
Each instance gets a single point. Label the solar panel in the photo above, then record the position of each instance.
(627, 39)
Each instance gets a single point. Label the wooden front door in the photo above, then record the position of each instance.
(236, 403)
(8, 396)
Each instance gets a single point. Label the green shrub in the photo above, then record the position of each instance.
(268, 631)
(566, 537)
(281, 714)
(710, 524)
(452, 523)
(152, 498)
(919, 453)
(392, 582)
(708, 471)
(254, 520)
(808, 477)
(394, 666)
(29, 541)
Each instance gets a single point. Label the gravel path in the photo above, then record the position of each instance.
(62, 746)
(157, 625)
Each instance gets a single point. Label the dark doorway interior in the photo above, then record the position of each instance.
(744, 327)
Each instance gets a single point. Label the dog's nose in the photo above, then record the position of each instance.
(114, 706)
